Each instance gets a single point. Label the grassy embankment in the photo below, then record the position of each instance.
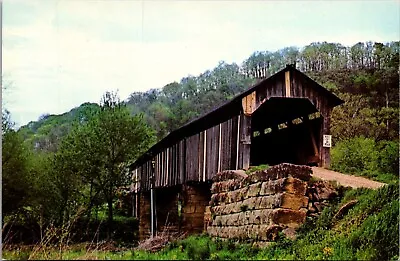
(369, 231)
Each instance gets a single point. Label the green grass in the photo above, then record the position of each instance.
(254, 169)
(367, 231)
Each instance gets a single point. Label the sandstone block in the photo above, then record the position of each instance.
(217, 221)
(222, 198)
(243, 193)
(248, 230)
(265, 216)
(252, 203)
(215, 210)
(236, 207)
(214, 188)
(235, 196)
(244, 205)
(269, 232)
(211, 231)
(327, 192)
(271, 187)
(293, 201)
(241, 232)
(224, 220)
(270, 201)
(318, 206)
(235, 219)
(251, 217)
(288, 217)
(230, 174)
(235, 232)
(227, 209)
(290, 233)
(256, 217)
(305, 210)
(226, 232)
(240, 219)
(258, 202)
(214, 200)
(221, 231)
(253, 231)
(254, 190)
(247, 217)
(222, 209)
(295, 186)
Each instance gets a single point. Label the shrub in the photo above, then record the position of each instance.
(198, 248)
(357, 155)
(389, 157)
(364, 156)
(377, 233)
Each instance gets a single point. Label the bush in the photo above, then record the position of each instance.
(375, 236)
(364, 156)
(358, 155)
(198, 248)
(125, 230)
(389, 157)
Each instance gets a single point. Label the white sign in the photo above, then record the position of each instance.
(327, 141)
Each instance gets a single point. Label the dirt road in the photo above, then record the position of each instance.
(345, 180)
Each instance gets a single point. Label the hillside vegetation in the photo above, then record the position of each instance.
(365, 76)
(368, 231)
(64, 173)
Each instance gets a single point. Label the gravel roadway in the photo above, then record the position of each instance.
(344, 179)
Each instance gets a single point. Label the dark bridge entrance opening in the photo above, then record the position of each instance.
(286, 130)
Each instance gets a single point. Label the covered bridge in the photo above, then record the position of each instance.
(284, 118)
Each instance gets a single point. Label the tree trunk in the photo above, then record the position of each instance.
(387, 106)
(110, 219)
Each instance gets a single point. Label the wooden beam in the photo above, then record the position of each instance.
(325, 157)
(237, 143)
(249, 104)
(246, 141)
(219, 148)
(167, 164)
(204, 155)
(287, 83)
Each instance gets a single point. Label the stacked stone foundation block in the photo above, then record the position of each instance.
(258, 206)
(144, 215)
(194, 199)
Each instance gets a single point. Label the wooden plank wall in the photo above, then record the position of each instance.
(300, 87)
(196, 158)
(227, 145)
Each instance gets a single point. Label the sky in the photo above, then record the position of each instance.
(58, 54)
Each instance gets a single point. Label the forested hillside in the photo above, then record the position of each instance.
(365, 75)
(73, 167)
(46, 133)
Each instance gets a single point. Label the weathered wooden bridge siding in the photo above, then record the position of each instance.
(221, 140)
(293, 84)
(196, 158)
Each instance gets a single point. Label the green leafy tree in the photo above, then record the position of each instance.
(15, 182)
(100, 151)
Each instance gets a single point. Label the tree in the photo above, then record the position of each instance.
(100, 151)
(15, 182)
